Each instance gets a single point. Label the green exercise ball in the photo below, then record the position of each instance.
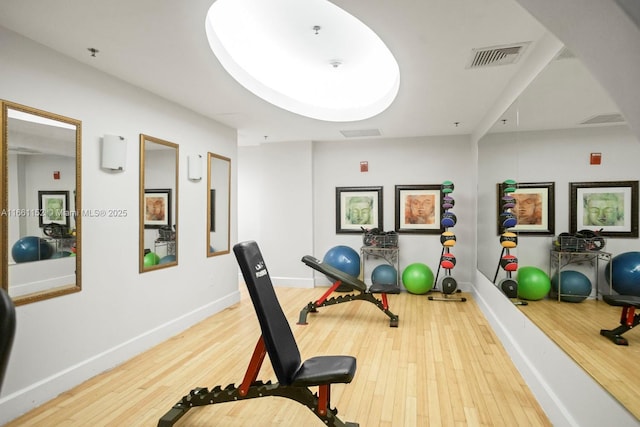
(151, 259)
(417, 278)
(533, 283)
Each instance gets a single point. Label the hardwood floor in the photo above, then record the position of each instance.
(443, 366)
(575, 327)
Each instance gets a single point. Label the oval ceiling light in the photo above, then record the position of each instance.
(308, 57)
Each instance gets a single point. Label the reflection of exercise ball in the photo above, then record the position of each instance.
(151, 259)
(384, 274)
(344, 259)
(417, 278)
(625, 274)
(166, 259)
(31, 248)
(533, 283)
(574, 286)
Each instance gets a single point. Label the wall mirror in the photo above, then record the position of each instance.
(219, 204)
(547, 135)
(158, 204)
(40, 228)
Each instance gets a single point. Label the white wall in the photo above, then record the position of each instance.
(63, 341)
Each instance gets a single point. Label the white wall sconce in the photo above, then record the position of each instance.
(194, 167)
(114, 152)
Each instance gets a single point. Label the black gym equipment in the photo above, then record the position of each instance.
(294, 377)
(7, 331)
(348, 283)
(628, 319)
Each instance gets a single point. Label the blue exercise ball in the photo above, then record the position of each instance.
(625, 273)
(166, 259)
(574, 286)
(31, 248)
(344, 259)
(384, 274)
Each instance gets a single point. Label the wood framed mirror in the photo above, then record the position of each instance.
(158, 203)
(218, 204)
(40, 221)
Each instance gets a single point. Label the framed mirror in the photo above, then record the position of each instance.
(218, 204)
(40, 229)
(158, 203)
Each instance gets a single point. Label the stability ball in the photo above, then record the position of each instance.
(625, 273)
(384, 274)
(533, 283)
(417, 278)
(31, 248)
(344, 259)
(574, 286)
(151, 259)
(166, 259)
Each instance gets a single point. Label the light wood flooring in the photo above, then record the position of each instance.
(443, 366)
(575, 327)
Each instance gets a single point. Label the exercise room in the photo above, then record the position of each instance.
(311, 212)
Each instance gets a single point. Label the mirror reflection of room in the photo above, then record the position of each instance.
(42, 223)
(218, 208)
(158, 203)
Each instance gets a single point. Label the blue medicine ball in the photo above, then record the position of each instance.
(344, 259)
(31, 248)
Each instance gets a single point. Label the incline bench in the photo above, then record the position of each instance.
(294, 377)
(344, 280)
(628, 320)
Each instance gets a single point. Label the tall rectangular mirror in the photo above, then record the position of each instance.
(158, 204)
(219, 204)
(40, 222)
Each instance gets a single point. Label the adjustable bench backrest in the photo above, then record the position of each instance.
(334, 273)
(276, 332)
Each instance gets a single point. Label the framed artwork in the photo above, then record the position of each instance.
(157, 208)
(212, 210)
(611, 208)
(358, 208)
(534, 208)
(419, 209)
(53, 207)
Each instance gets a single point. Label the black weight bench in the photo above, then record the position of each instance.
(294, 377)
(628, 320)
(350, 283)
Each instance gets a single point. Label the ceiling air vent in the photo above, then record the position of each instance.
(496, 55)
(360, 133)
(604, 119)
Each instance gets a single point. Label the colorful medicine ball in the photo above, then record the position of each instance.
(509, 186)
(448, 219)
(508, 219)
(509, 240)
(508, 202)
(509, 263)
(447, 187)
(447, 261)
(448, 239)
(448, 202)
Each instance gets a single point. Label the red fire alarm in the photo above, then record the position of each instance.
(596, 158)
(56, 175)
(364, 166)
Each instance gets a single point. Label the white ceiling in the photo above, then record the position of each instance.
(161, 46)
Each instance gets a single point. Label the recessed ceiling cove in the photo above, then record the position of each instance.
(308, 57)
